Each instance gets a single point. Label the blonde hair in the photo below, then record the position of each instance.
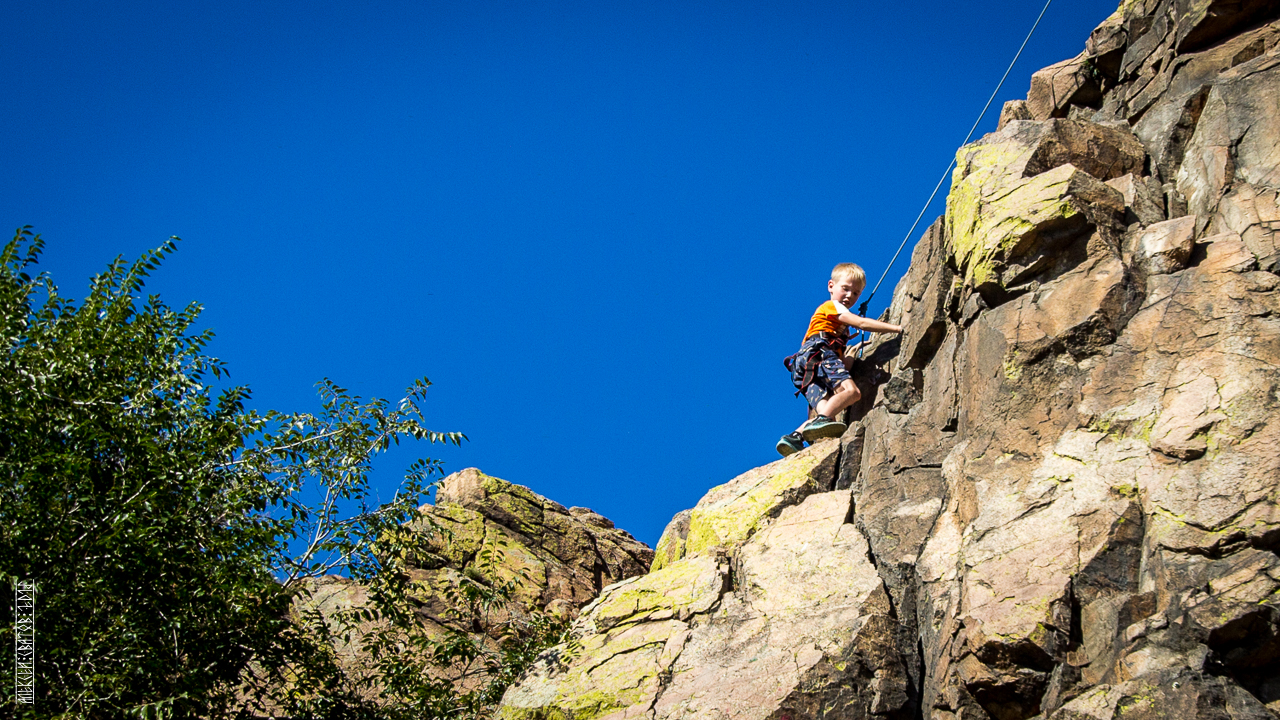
(851, 271)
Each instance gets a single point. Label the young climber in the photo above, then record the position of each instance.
(820, 369)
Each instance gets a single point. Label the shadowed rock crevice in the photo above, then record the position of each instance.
(1170, 155)
(850, 457)
(1205, 24)
(901, 582)
(1246, 650)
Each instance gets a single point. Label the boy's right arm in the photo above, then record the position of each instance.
(868, 324)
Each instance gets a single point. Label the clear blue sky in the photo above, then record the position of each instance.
(596, 226)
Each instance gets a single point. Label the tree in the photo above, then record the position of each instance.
(110, 444)
(170, 529)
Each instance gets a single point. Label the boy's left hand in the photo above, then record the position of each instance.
(852, 350)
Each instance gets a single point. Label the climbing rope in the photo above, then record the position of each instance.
(862, 309)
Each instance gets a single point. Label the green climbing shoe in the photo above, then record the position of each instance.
(822, 427)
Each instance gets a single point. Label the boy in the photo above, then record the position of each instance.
(820, 369)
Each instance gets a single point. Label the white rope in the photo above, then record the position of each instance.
(862, 310)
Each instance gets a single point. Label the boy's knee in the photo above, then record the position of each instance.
(849, 387)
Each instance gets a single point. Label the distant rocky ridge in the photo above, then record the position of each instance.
(1060, 498)
(561, 557)
(566, 554)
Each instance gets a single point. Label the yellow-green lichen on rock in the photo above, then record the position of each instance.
(670, 548)
(609, 672)
(734, 519)
(503, 532)
(515, 506)
(730, 513)
(456, 534)
(504, 559)
(689, 586)
(626, 641)
(1012, 186)
(989, 226)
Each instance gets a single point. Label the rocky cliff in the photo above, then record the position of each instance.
(494, 531)
(563, 555)
(1061, 497)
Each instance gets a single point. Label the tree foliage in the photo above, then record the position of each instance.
(171, 530)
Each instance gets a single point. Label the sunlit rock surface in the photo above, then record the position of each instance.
(732, 512)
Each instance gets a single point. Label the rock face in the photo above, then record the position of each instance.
(566, 555)
(496, 531)
(1061, 496)
(780, 608)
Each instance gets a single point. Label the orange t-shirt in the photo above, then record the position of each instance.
(826, 319)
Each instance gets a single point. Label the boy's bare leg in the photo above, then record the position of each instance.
(848, 358)
(847, 395)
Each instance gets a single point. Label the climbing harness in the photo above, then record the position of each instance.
(803, 364)
(862, 309)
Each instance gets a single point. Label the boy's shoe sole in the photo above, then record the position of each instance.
(823, 429)
(790, 445)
